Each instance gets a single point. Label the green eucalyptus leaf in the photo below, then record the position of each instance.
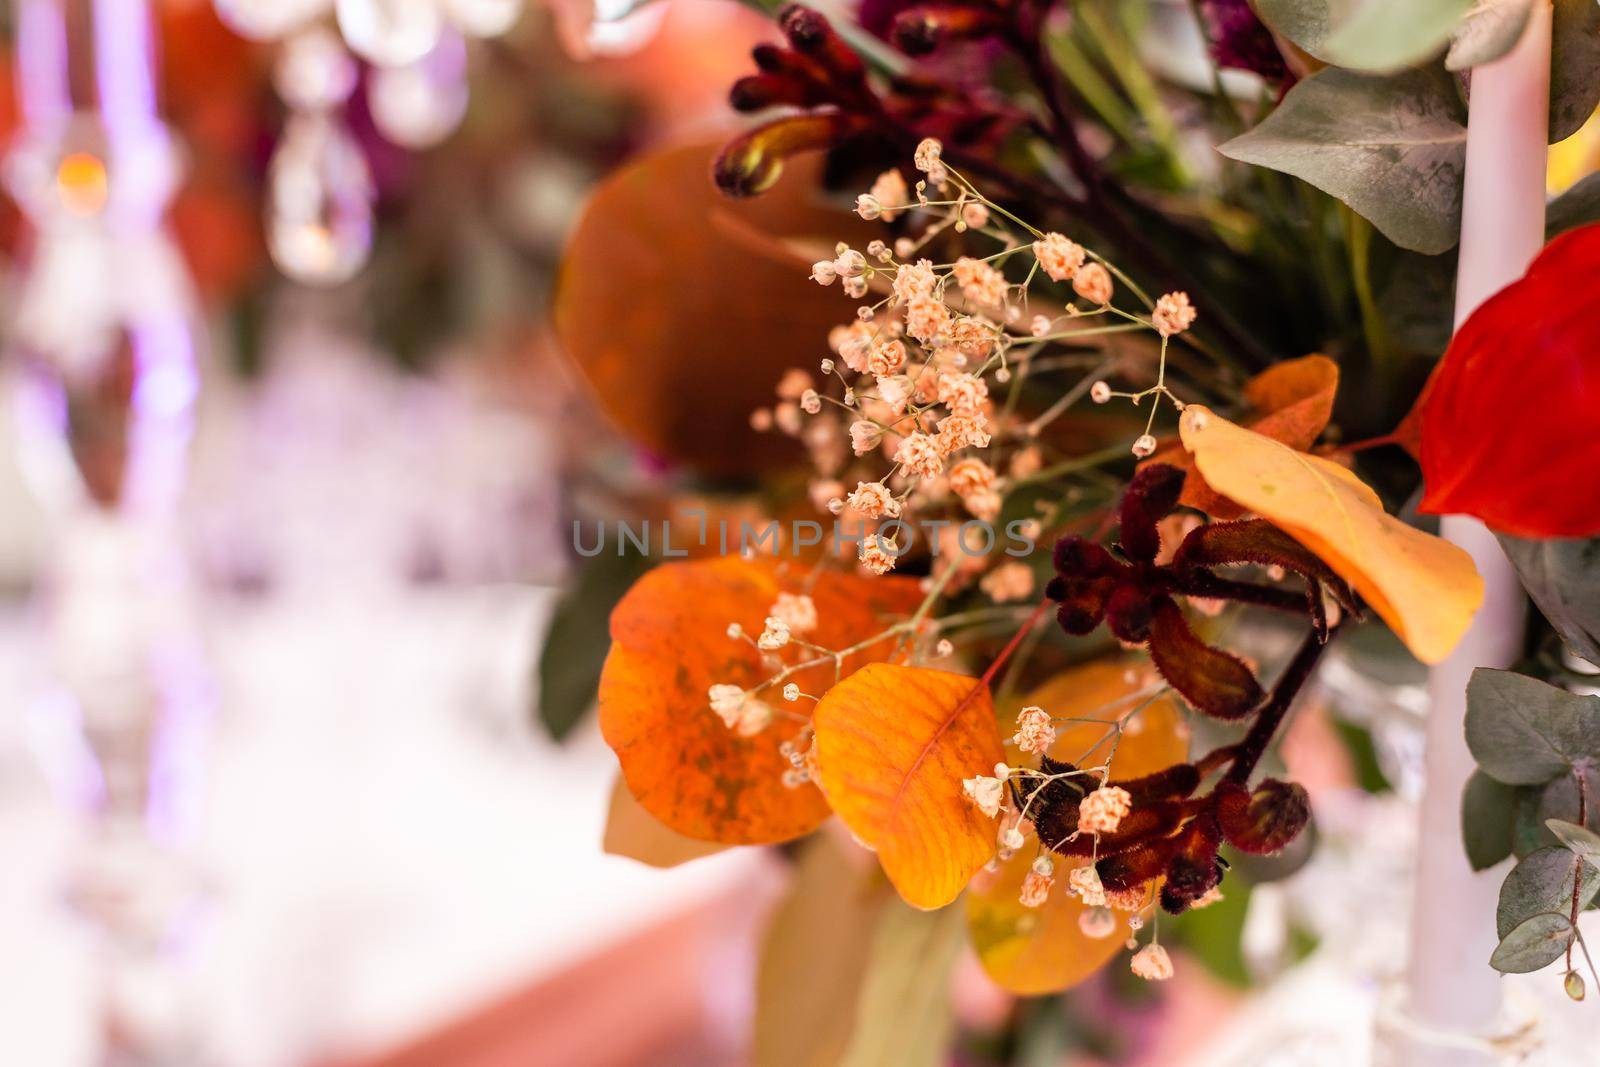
(1529, 833)
(1391, 147)
(903, 1014)
(1305, 23)
(1487, 32)
(579, 637)
(1543, 882)
(1574, 66)
(1524, 731)
(1578, 206)
(1536, 942)
(1562, 575)
(1383, 35)
(1583, 841)
(1488, 814)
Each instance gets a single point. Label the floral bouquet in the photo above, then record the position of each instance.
(1003, 547)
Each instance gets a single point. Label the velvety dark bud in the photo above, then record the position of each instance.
(1076, 557)
(1213, 681)
(1259, 542)
(1264, 821)
(1134, 868)
(1193, 870)
(770, 59)
(758, 91)
(808, 32)
(1140, 826)
(1077, 620)
(1149, 498)
(1174, 783)
(1052, 805)
(1129, 612)
(752, 163)
(921, 30)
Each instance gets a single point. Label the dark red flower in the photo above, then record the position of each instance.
(1508, 424)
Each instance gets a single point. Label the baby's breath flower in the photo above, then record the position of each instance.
(1039, 326)
(774, 636)
(850, 263)
(890, 191)
(1097, 922)
(1093, 283)
(873, 499)
(1100, 392)
(919, 453)
(867, 206)
(1173, 314)
(795, 610)
(963, 394)
(1025, 462)
(975, 214)
(1011, 837)
(878, 556)
(986, 792)
(810, 402)
(1085, 882)
(983, 505)
(904, 246)
(970, 475)
(1144, 446)
(912, 280)
(1103, 810)
(1035, 889)
(1035, 732)
(823, 272)
(944, 648)
(1152, 964)
(926, 318)
(879, 251)
(963, 431)
(864, 437)
(739, 711)
(791, 692)
(895, 391)
(886, 358)
(1008, 582)
(1058, 257)
(979, 281)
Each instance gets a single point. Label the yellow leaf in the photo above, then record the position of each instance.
(893, 745)
(814, 955)
(636, 834)
(1425, 588)
(1031, 951)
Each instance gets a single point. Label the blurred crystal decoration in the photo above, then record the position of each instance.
(104, 335)
(421, 103)
(320, 202)
(319, 188)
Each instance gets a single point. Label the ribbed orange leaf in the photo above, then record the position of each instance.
(1425, 588)
(893, 745)
(1290, 402)
(1042, 950)
(669, 645)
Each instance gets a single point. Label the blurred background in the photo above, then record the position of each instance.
(289, 460)
(284, 445)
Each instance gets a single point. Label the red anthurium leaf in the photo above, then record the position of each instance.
(1507, 428)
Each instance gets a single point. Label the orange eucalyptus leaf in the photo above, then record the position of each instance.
(635, 834)
(1424, 587)
(893, 746)
(1291, 402)
(1032, 951)
(669, 645)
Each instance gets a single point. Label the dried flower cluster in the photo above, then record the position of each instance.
(917, 411)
